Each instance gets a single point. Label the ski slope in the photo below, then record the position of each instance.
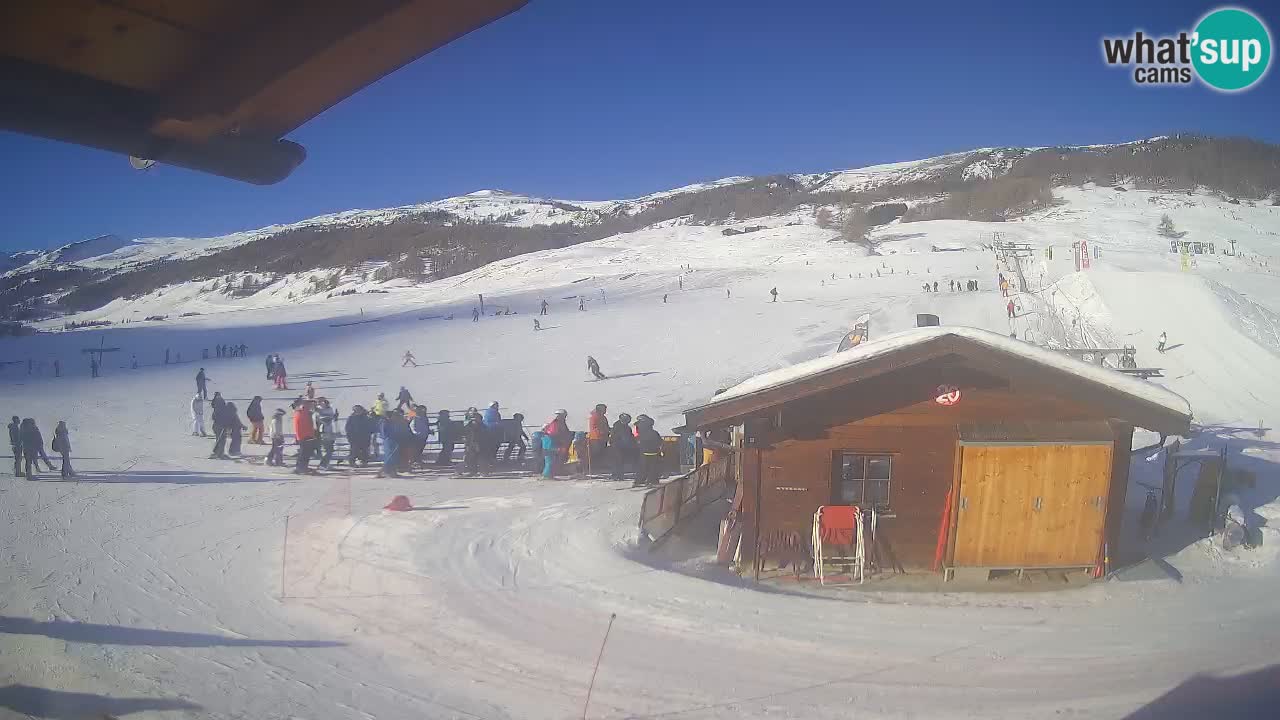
(164, 582)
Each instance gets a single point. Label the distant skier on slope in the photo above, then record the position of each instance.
(1161, 341)
(543, 311)
(536, 324)
(409, 359)
(404, 398)
(774, 293)
(475, 314)
(202, 388)
(582, 303)
(594, 367)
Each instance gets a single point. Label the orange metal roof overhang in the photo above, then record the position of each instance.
(211, 85)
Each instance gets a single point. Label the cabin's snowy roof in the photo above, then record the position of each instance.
(1115, 380)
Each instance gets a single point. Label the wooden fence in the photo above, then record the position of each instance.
(666, 505)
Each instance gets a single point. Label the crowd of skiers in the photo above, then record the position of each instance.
(27, 444)
(398, 435)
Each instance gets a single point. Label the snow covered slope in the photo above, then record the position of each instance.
(163, 579)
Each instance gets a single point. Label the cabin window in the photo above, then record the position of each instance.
(863, 479)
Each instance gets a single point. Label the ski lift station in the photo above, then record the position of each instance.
(940, 449)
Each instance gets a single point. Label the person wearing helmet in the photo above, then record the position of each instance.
(561, 436)
(622, 446)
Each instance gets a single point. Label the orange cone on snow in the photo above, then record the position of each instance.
(399, 503)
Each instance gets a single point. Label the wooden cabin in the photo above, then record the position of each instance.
(978, 452)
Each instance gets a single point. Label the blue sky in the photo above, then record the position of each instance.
(602, 99)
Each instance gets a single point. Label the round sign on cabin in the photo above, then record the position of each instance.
(947, 395)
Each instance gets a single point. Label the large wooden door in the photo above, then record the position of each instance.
(1031, 505)
(1067, 527)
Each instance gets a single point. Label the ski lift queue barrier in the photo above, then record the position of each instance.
(665, 506)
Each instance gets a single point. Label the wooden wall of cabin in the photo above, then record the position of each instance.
(1121, 458)
(796, 477)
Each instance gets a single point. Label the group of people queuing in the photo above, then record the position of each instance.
(397, 436)
(27, 444)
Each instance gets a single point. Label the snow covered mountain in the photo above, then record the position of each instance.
(248, 592)
(360, 250)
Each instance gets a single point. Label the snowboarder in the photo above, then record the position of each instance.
(409, 359)
(304, 431)
(774, 293)
(404, 399)
(275, 456)
(444, 427)
(256, 418)
(1160, 342)
(474, 436)
(649, 443)
(201, 384)
(309, 391)
(15, 444)
(32, 447)
(597, 437)
(1009, 307)
(536, 324)
(197, 416)
(475, 314)
(622, 446)
(594, 367)
(543, 309)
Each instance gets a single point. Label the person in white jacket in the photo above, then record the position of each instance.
(197, 416)
(275, 456)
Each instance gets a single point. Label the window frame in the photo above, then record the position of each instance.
(838, 480)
